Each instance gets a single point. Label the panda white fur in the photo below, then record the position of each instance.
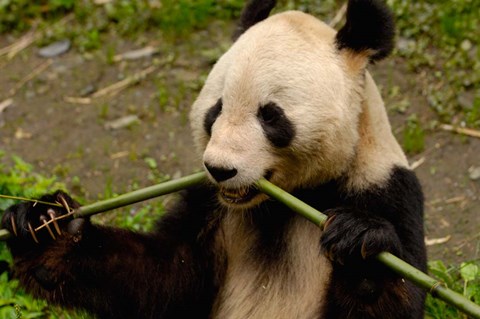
(291, 101)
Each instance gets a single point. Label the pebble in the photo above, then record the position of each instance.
(55, 49)
(122, 122)
(474, 173)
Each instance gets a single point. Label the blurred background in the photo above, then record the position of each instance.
(95, 96)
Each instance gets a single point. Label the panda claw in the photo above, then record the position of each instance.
(14, 226)
(329, 221)
(32, 232)
(363, 250)
(52, 215)
(64, 202)
(44, 220)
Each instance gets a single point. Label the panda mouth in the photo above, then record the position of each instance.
(239, 195)
(242, 195)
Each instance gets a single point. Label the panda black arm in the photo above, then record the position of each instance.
(387, 218)
(116, 273)
(392, 213)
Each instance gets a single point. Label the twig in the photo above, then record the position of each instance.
(35, 201)
(22, 43)
(101, 2)
(460, 130)
(136, 54)
(455, 199)
(339, 16)
(112, 89)
(417, 163)
(437, 241)
(6, 103)
(115, 88)
(77, 100)
(42, 67)
(119, 155)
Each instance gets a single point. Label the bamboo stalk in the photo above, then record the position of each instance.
(402, 268)
(141, 195)
(419, 278)
(132, 197)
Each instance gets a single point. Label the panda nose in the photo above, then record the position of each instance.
(220, 174)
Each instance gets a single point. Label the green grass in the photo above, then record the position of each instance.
(413, 136)
(464, 278)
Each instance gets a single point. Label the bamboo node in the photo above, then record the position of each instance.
(434, 288)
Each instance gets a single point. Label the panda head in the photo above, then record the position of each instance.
(284, 101)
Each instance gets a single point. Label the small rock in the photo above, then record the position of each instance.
(466, 45)
(55, 49)
(474, 173)
(122, 122)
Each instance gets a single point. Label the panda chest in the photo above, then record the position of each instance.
(258, 285)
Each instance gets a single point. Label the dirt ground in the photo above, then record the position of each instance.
(82, 144)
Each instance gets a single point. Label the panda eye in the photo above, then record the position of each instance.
(269, 113)
(277, 127)
(211, 116)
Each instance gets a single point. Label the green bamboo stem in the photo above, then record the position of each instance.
(399, 266)
(419, 278)
(132, 197)
(141, 195)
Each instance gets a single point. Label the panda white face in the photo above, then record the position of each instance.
(280, 104)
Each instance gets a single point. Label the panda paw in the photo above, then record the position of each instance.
(34, 224)
(352, 235)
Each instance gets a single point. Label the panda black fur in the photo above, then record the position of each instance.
(290, 101)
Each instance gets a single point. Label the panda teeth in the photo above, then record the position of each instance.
(235, 193)
(237, 196)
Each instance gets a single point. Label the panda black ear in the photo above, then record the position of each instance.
(254, 12)
(369, 29)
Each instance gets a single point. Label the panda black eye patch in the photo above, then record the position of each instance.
(211, 116)
(278, 129)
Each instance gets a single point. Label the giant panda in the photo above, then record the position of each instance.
(290, 101)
